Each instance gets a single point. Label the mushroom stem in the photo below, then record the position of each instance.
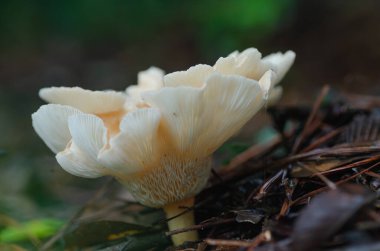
(181, 221)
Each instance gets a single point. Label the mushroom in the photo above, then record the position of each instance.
(248, 63)
(158, 139)
(242, 63)
(150, 79)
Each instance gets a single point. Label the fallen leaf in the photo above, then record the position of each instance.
(93, 233)
(327, 214)
(251, 216)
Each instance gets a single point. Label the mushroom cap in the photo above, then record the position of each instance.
(150, 79)
(159, 145)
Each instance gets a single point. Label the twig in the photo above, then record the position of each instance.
(251, 245)
(352, 165)
(326, 152)
(311, 117)
(328, 182)
(322, 139)
(373, 174)
(322, 189)
(263, 189)
(231, 243)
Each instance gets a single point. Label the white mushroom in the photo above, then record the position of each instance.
(160, 144)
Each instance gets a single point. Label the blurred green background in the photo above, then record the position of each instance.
(100, 44)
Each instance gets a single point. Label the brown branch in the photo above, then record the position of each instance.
(322, 139)
(351, 165)
(311, 117)
(251, 244)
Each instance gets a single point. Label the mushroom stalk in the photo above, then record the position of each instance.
(181, 221)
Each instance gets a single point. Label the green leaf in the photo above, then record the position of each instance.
(265, 134)
(231, 149)
(147, 241)
(11, 247)
(108, 233)
(36, 228)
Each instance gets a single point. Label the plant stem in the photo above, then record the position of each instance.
(181, 221)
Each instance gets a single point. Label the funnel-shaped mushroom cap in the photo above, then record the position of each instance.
(161, 150)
